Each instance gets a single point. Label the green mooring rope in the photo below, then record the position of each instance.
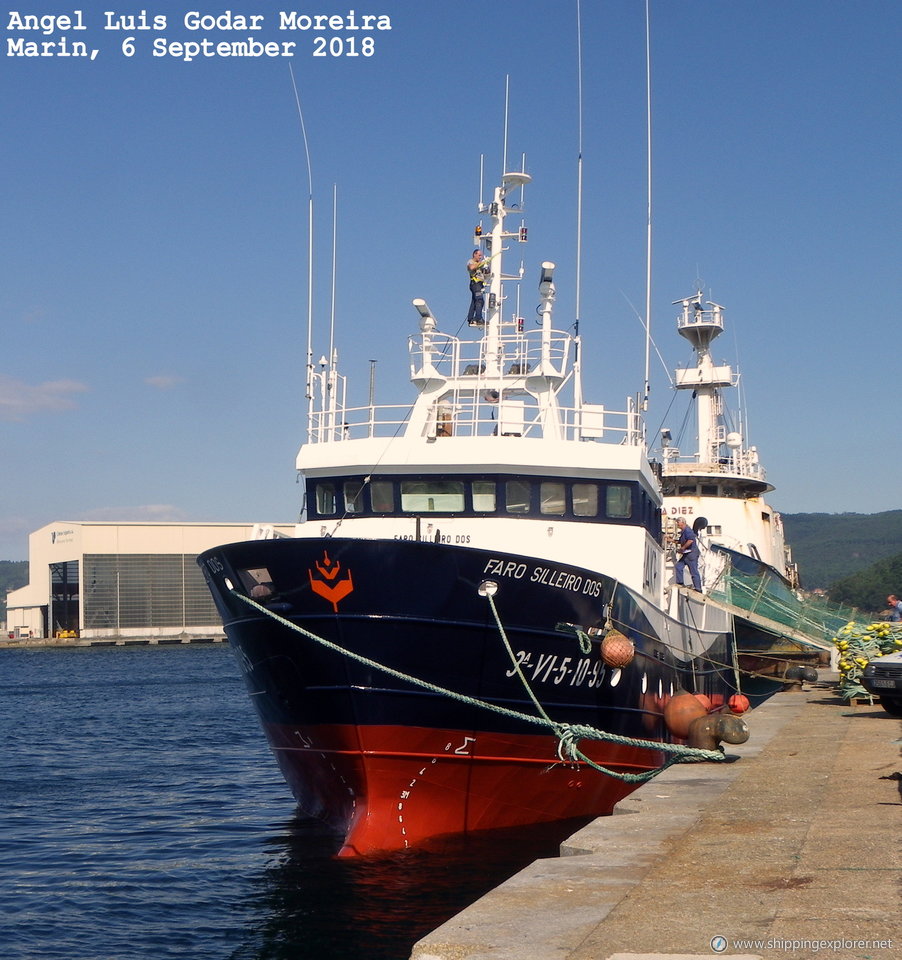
(568, 734)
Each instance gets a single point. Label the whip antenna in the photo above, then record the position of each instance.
(507, 86)
(309, 385)
(648, 224)
(579, 163)
(334, 269)
(577, 349)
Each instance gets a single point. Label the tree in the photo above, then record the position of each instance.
(13, 574)
(869, 588)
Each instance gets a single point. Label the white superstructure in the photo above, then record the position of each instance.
(722, 481)
(499, 450)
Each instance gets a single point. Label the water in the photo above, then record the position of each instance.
(144, 817)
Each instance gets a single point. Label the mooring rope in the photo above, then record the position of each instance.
(569, 735)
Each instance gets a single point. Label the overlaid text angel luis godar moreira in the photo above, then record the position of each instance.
(327, 35)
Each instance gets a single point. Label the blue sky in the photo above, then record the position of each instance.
(154, 246)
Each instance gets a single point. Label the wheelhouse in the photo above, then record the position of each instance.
(483, 495)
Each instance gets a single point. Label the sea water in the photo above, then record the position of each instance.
(143, 816)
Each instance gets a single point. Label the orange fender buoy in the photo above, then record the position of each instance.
(681, 710)
(738, 703)
(617, 650)
(704, 700)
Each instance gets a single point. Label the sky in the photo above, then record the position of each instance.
(154, 248)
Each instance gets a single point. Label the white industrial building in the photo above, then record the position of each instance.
(118, 581)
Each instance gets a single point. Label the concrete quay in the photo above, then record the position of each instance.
(793, 851)
(118, 641)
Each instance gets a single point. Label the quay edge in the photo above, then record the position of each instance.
(119, 641)
(787, 845)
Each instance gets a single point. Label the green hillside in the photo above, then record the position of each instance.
(832, 546)
(867, 589)
(13, 574)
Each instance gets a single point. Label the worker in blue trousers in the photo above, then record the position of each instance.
(687, 552)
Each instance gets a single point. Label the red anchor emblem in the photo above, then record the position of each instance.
(327, 585)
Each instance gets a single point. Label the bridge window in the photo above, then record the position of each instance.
(325, 499)
(432, 496)
(353, 492)
(517, 495)
(618, 501)
(585, 499)
(553, 498)
(382, 496)
(484, 496)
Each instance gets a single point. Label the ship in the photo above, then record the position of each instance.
(470, 629)
(720, 489)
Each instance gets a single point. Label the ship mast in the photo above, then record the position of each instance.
(700, 326)
(494, 242)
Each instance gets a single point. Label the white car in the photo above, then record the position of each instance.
(883, 678)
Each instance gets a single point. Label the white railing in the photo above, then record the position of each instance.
(744, 464)
(509, 384)
(469, 414)
(450, 357)
(690, 317)
(355, 423)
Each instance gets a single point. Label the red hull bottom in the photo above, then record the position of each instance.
(388, 788)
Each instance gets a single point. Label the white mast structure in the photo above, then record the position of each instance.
(701, 327)
(508, 368)
(723, 481)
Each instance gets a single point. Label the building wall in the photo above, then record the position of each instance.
(120, 580)
(128, 592)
